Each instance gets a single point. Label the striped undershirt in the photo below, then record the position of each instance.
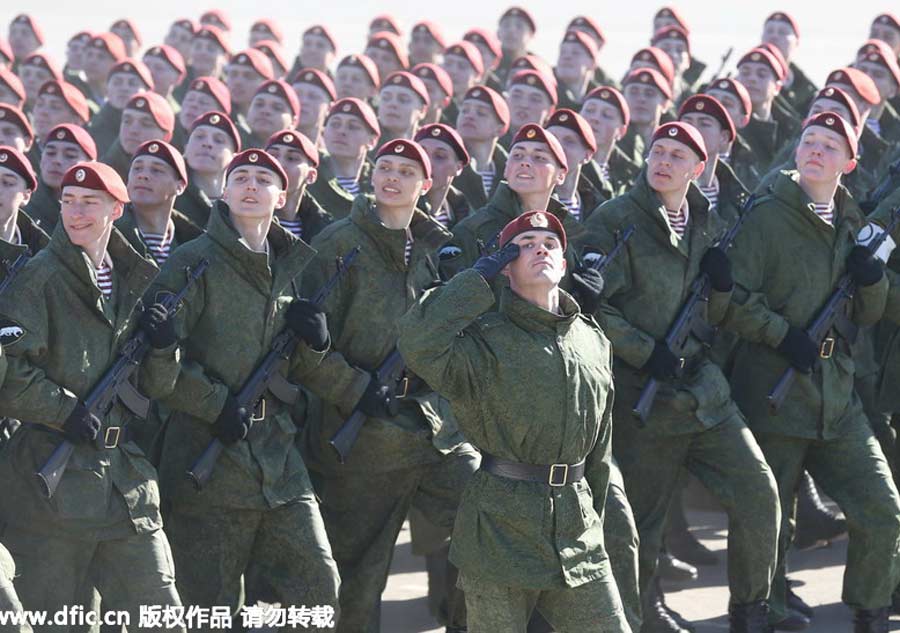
(825, 211)
(442, 217)
(159, 245)
(711, 192)
(104, 277)
(678, 219)
(407, 251)
(350, 185)
(487, 180)
(574, 206)
(292, 226)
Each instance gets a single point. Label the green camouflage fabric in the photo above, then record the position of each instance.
(632, 146)
(104, 126)
(330, 195)
(732, 193)
(44, 207)
(195, 204)
(34, 239)
(801, 91)
(116, 157)
(765, 139)
(471, 185)
(744, 162)
(312, 216)
(620, 537)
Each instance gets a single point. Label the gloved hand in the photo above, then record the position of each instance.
(864, 267)
(81, 426)
(587, 286)
(716, 265)
(308, 322)
(663, 364)
(800, 350)
(378, 400)
(158, 327)
(232, 424)
(490, 265)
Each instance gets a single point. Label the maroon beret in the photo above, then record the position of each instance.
(15, 161)
(532, 62)
(217, 17)
(389, 41)
(156, 106)
(298, 141)
(187, 24)
(671, 32)
(836, 123)
(258, 158)
(430, 28)
(737, 89)
(365, 63)
(110, 43)
(166, 153)
(75, 134)
(273, 50)
(781, 16)
(837, 94)
(215, 89)
(322, 31)
(436, 74)
(776, 53)
(613, 97)
(887, 19)
(385, 22)
(533, 221)
(98, 176)
(469, 52)
(672, 12)
(659, 59)
(280, 88)
(214, 34)
(858, 80)
(129, 66)
(519, 12)
(572, 120)
(407, 149)
(534, 133)
(42, 60)
(764, 56)
(588, 24)
(81, 36)
(358, 108)
(256, 60)
(683, 133)
(650, 77)
(13, 82)
(73, 97)
(538, 80)
(24, 18)
(492, 98)
(125, 23)
(705, 104)
(880, 53)
(271, 26)
(445, 134)
(169, 55)
(15, 116)
(487, 39)
(219, 120)
(316, 78)
(584, 40)
(403, 79)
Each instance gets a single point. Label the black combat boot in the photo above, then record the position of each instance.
(796, 603)
(675, 570)
(815, 522)
(752, 617)
(680, 542)
(658, 618)
(871, 620)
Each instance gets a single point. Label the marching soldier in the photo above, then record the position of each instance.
(15, 131)
(781, 30)
(575, 68)
(25, 36)
(179, 36)
(126, 79)
(491, 52)
(588, 25)
(402, 104)
(386, 51)
(205, 94)
(12, 92)
(426, 43)
(318, 49)
(736, 100)
(18, 232)
(532, 96)
(104, 51)
(274, 52)
(675, 43)
(58, 102)
(447, 153)
(166, 66)
(129, 34)
(607, 112)
(578, 194)
(316, 92)
(274, 107)
(244, 74)
(146, 117)
(648, 94)
(483, 119)
(208, 56)
(440, 91)
(515, 31)
(464, 65)
(357, 77)
(34, 71)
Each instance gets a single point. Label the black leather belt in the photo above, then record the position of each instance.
(555, 475)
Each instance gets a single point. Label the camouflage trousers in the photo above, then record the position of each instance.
(728, 462)
(620, 537)
(851, 470)
(9, 601)
(286, 547)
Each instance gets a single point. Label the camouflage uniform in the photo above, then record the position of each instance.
(44, 207)
(330, 195)
(471, 185)
(104, 126)
(195, 204)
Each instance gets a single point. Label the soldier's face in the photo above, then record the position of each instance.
(830, 105)
(127, 38)
(253, 192)
(296, 165)
(260, 33)
(316, 51)
(677, 50)
(436, 96)
(7, 96)
(179, 38)
(462, 74)
(714, 136)
(884, 80)
(121, 87)
(138, 127)
(733, 105)
(164, 76)
(541, 261)
(56, 159)
(22, 40)
(346, 136)
(514, 33)
(887, 34)
(527, 104)
(397, 182)
(477, 122)
(50, 111)
(97, 64)
(671, 165)
(207, 57)
(242, 82)
(195, 104)
(14, 193)
(384, 59)
(780, 34)
(823, 156)
(574, 62)
(33, 77)
(269, 114)
(13, 136)
(88, 215)
(350, 81)
(208, 150)
(645, 102)
(605, 121)
(445, 166)
(760, 82)
(577, 153)
(662, 21)
(314, 105)
(152, 182)
(399, 109)
(75, 53)
(423, 47)
(532, 168)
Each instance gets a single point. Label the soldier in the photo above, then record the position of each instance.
(265, 29)
(510, 560)
(34, 71)
(694, 422)
(575, 68)
(736, 100)
(878, 61)
(669, 16)
(25, 36)
(316, 92)
(73, 70)
(104, 51)
(811, 220)
(675, 43)
(274, 107)
(210, 148)
(515, 31)
(440, 91)
(655, 58)
(578, 194)
(126, 79)
(104, 522)
(204, 94)
(781, 29)
(886, 27)
(12, 92)
(464, 66)
(208, 56)
(129, 34)
(351, 132)
(648, 94)
(357, 77)
(483, 119)
(531, 96)
(447, 153)
(166, 66)
(386, 51)
(18, 232)
(217, 19)
(64, 146)
(15, 131)
(301, 214)
(491, 51)
(402, 104)
(589, 26)
(244, 74)
(386, 23)
(318, 49)
(606, 111)
(426, 43)
(146, 117)
(180, 35)
(273, 51)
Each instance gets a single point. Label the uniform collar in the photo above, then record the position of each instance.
(533, 318)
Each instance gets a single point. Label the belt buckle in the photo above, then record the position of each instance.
(555, 481)
(112, 431)
(826, 349)
(259, 411)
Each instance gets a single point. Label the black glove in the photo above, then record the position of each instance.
(587, 285)
(716, 265)
(158, 327)
(662, 364)
(232, 424)
(800, 350)
(490, 265)
(308, 322)
(864, 267)
(81, 426)
(378, 400)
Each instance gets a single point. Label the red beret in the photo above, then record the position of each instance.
(41, 60)
(535, 79)
(275, 53)
(279, 88)
(407, 149)
(156, 106)
(781, 16)
(487, 39)
(585, 23)
(73, 97)
(572, 120)
(492, 98)
(430, 28)
(169, 55)
(403, 79)
(704, 104)
(75, 134)
(585, 40)
(671, 32)
(672, 12)
(469, 52)
(13, 82)
(298, 141)
(256, 60)
(316, 78)
(258, 158)
(358, 108)
(737, 89)
(764, 56)
(858, 80)
(125, 23)
(533, 221)
(836, 123)
(776, 53)
(215, 89)
(613, 97)
(837, 94)
(24, 18)
(658, 58)
(271, 26)
(391, 42)
(166, 153)
(532, 62)
(187, 24)
(650, 77)
(366, 64)
(887, 19)
(98, 176)
(445, 134)
(322, 31)
(6, 52)
(15, 116)
(880, 53)
(519, 12)
(81, 36)
(129, 66)
(110, 43)
(385, 22)
(15, 161)
(219, 120)
(436, 74)
(683, 133)
(534, 133)
(214, 34)
(217, 17)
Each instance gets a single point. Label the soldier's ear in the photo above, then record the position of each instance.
(699, 169)
(426, 185)
(26, 197)
(118, 210)
(180, 187)
(849, 167)
(282, 199)
(459, 167)
(561, 175)
(312, 176)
